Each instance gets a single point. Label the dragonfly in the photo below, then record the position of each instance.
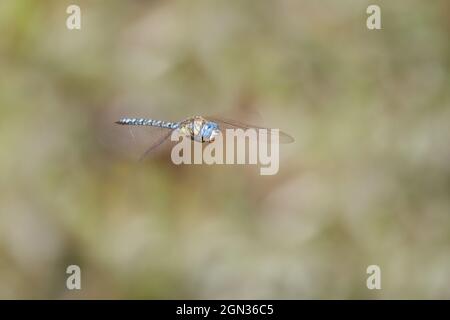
(199, 129)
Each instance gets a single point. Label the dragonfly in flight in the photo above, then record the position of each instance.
(198, 128)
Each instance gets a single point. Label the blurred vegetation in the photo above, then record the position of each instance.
(366, 182)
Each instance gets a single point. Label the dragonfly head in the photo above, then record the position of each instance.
(210, 131)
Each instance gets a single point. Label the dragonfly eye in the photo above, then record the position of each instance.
(209, 131)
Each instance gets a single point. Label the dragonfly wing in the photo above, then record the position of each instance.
(133, 141)
(164, 138)
(233, 124)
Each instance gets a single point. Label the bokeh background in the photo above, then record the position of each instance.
(366, 182)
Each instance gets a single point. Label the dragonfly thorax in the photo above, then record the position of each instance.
(199, 129)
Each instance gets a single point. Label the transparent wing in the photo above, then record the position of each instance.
(136, 142)
(162, 139)
(225, 123)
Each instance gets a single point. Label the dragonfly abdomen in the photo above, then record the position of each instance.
(147, 122)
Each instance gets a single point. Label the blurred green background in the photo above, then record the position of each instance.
(366, 182)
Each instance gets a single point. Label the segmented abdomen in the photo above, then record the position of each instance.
(147, 122)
